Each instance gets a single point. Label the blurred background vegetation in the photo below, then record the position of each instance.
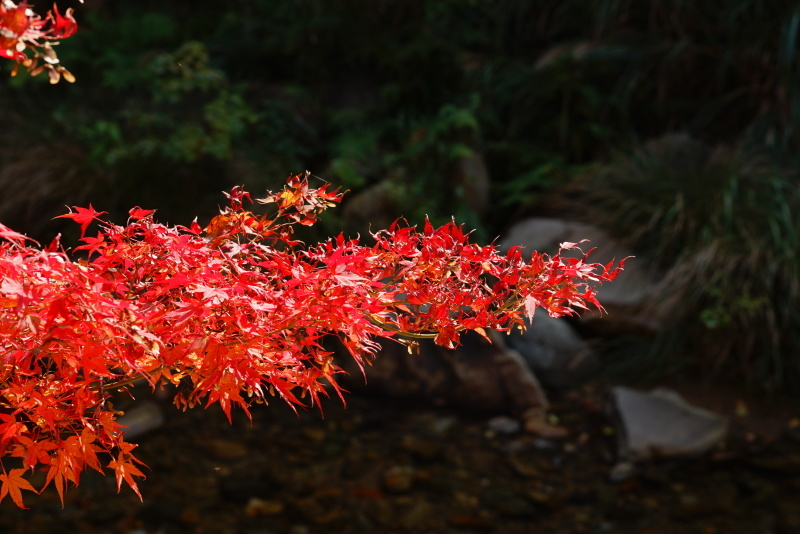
(672, 124)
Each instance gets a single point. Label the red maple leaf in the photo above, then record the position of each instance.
(11, 235)
(138, 213)
(83, 216)
(125, 470)
(233, 316)
(61, 26)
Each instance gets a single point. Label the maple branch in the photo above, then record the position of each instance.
(374, 319)
(239, 318)
(130, 380)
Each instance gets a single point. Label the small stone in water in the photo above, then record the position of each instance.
(399, 478)
(621, 472)
(503, 425)
(258, 507)
(442, 425)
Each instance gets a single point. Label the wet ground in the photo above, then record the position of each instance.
(379, 466)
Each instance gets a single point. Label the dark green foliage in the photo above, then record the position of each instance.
(720, 224)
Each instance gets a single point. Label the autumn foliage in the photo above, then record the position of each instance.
(233, 314)
(27, 38)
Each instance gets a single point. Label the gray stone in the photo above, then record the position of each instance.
(142, 418)
(471, 183)
(503, 425)
(398, 478)
(622, 471)
(545, 235)
(478, 375)
(625, 299)
(555, 352)
(662, 424)
(376, 206)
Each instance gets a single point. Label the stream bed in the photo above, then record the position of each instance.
(378, 465)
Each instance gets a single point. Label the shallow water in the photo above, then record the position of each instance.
(379, 466)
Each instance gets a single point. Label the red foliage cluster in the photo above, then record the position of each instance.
(26, 38)
(231, 314)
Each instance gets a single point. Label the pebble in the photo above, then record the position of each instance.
(398, 478)
(421, 449)
(524, 467)
(224, 449)
(503, 425)
(260, 507)
(541, 428)
(621, 471)
(508, 503)
(417, 513)
(421, 471)
(442, 425)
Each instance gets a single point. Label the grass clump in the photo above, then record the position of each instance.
(718, 222)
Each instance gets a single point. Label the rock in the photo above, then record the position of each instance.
(442, 425)
(398, 478)
(503, 425)
(625, 299)
(142, 418)
(622, 471)
(421, 449)
(225, 449)
(545, 235)
(547, 496)
(261, 507)
(507, 503)
(534, 421)
(415, 513)
(470, 181)
(477, 375)
(545, 429)
(662, 424)
(322, 511)
(375, 206)
(555, 352)
(524, 467)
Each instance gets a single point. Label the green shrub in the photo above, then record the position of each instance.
(720, 224)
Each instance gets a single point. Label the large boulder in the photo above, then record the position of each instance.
(661, 423)
(469, 178)
(625, 299)
(374, 207)
(478, 375)
(558, 356)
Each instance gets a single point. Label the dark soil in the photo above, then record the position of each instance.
(382, 466)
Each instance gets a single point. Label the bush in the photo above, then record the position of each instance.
(719, 222)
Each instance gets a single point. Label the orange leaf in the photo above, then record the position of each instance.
(12, 484)
(125, 470)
